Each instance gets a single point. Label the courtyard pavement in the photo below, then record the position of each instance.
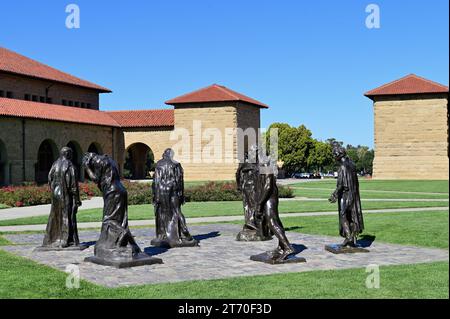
(218, 256)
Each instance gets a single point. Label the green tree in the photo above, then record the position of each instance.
(321, 156)
(294, 146)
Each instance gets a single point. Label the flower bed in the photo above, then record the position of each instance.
(138, 193)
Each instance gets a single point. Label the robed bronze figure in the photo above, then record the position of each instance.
(351, 222)
(116, 245)
(168, 197)
(246, 180)
(61, 232)
(267, 211)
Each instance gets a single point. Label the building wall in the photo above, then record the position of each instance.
(156, 139)
(20, 85)
(411, 137)
(60, 134)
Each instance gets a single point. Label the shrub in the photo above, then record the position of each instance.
(138, 193)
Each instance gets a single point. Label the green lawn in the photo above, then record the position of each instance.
(387, 185)
(313, 192)
(22, 278)
(429, 229)
(3, 206)
(202, 209)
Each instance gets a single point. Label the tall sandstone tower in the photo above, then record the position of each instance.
(218, 109)
(411, 129)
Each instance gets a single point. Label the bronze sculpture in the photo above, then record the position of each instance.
(267, 211)
(116, 245)
(351, 221)
(61, 232)
(246, 179)
(168, 197)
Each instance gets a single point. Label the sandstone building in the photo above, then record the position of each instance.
(411, 129)
(43, 109)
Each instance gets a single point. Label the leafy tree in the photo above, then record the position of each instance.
(294, 146)
(321, 156)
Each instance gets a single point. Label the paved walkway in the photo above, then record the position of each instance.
(39, 210)
(218, 219)
(219, 256)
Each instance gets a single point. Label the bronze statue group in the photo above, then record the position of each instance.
(256, 179)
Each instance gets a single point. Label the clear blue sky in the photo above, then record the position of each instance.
(311, 61)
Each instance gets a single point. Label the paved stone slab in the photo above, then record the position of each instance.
(218, 256)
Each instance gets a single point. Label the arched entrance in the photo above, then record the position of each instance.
(95, 148)
(47, 154)
(76, 158)
(3, 165)
(139, 161)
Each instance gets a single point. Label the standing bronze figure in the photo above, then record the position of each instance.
(116, 246)
(351, 222)
(246, 179)
(168, 197)
(61, 232)
(267, 210)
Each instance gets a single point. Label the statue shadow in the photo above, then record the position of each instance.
(298, 248)
(152, 251)
(212, 234)
(366, 240)
(88, 243)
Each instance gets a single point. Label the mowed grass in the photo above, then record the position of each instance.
(426, 229)
(3, 206)
(421, 186)
(208, 209)
(325, 192)
(22, 278)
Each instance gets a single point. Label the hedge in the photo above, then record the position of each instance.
(138, 193)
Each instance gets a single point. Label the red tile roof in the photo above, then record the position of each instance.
(15, 63)
(214, 93)
(143, 118)
(410, 84)
(52, 112)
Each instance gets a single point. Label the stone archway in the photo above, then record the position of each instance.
(95, 148)
(47, 154)
(4, 172)
(77, 155)
(139, 161)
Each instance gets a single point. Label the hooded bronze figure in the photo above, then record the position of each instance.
(61, 232)
(168, 197)
(267, 212)
(116, 245)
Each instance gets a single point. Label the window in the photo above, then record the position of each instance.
(9, 94)
(42, 99)
(77, 104)
(70, 103)
(64, 102)
(49, 100)
(27, 97)
(88, 105)
(83, 105)
(34, 98)
(2, 93)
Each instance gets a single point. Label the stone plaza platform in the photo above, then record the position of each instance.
(219, 255)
